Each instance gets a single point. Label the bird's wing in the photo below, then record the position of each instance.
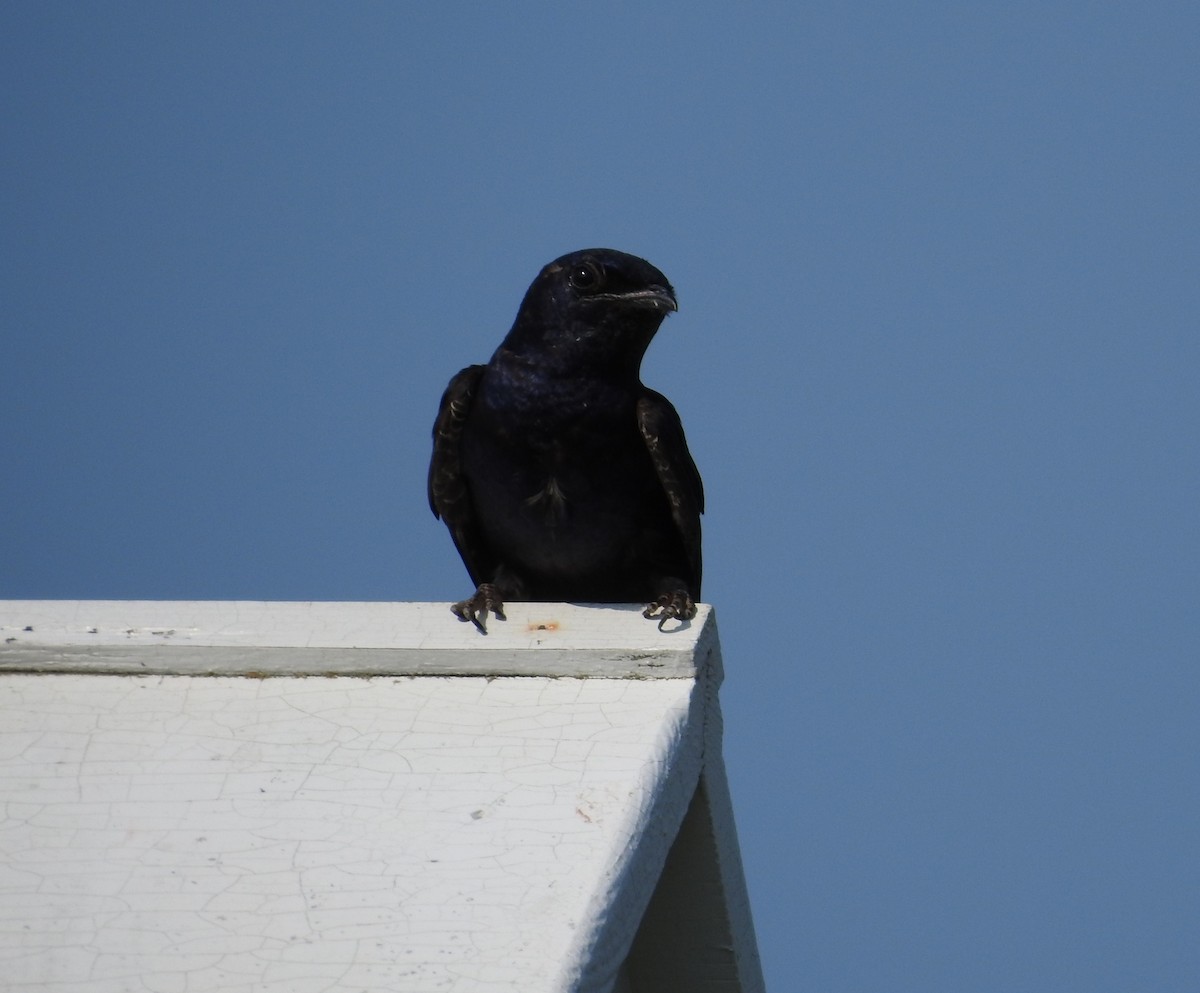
(663, 434)
(449, 492)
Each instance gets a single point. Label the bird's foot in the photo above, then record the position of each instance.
(474, 609)
(676, 605)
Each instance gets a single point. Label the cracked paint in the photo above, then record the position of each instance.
(188, 834)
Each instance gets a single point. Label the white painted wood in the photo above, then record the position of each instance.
(697, 933)
(734, 899)
(289, 834)
(210, 637)
(237, 825)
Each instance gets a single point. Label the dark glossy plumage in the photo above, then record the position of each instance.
(559, 475)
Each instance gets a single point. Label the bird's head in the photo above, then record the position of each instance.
(592, 309)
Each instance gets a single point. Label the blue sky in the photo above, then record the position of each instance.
(936, 355)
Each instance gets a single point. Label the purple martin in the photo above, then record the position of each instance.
(559, 475)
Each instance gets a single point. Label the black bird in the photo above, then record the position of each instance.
(559, 475)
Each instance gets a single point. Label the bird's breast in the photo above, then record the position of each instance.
(567, 480)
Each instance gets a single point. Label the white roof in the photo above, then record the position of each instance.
(285, 797)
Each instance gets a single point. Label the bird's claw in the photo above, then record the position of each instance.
(676, 605)
(474, 609)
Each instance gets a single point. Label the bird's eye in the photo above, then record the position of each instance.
(586, 276)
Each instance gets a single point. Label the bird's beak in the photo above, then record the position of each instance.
(652, 298)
